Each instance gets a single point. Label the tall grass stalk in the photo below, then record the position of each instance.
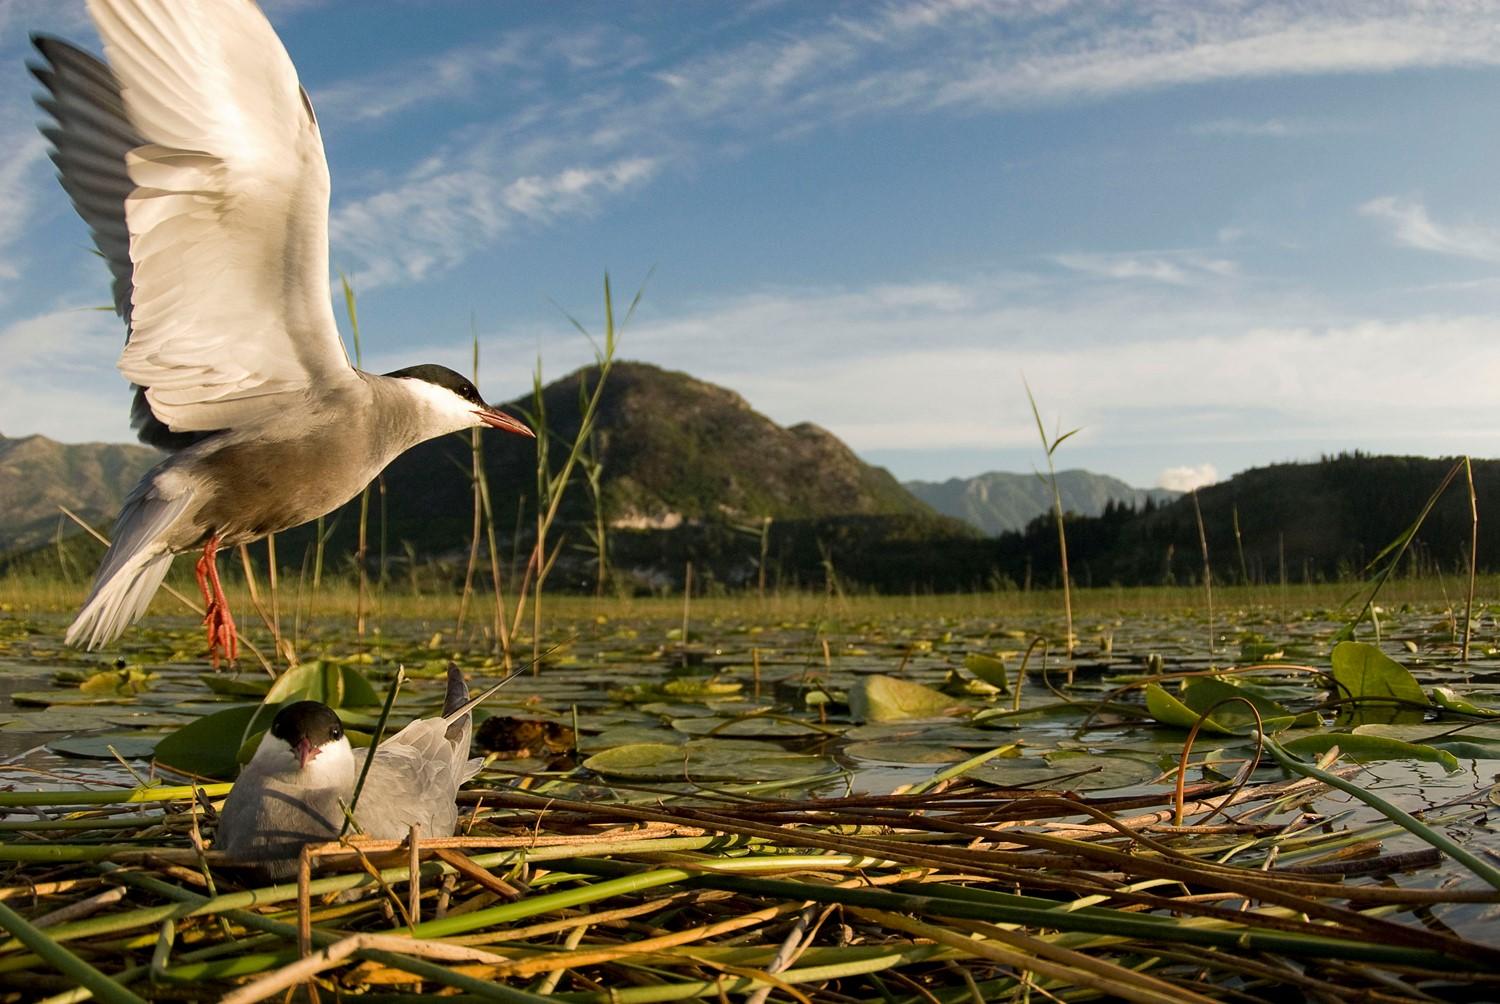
(476, 472)
(1239, 544)
(1049, 446)
(552, 486)
(1396, 550)
(364, 496)
(593, 472)
(1208, 573)
(1473, 557)
(281, 649)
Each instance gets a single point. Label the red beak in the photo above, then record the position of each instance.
(305, 752)
(496, 419)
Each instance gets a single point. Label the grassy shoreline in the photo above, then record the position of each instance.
(25, 594)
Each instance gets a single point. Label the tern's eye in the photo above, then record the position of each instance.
(336, 733)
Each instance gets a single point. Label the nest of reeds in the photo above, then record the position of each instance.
(965, 893)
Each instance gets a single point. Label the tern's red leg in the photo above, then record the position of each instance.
(216, 616)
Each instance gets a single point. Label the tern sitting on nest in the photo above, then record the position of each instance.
(294, 790)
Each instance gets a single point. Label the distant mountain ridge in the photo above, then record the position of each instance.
(37, 475)
(1001, 502)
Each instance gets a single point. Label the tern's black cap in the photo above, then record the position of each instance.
(442, 376)
(310, 720)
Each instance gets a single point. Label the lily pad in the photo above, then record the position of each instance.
(989, 669)
(903, 752)
(236, 686)
(1228, 717)
(336, 686)
(704, 760)
(1380, 688)
(752, 727)
(880, 698)
(209, 747)
(97, 747)
(1067, 770)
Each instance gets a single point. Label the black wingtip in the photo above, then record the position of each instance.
(458, 690)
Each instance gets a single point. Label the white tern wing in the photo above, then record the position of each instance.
(228, 219)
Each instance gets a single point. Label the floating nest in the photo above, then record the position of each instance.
(965, 893)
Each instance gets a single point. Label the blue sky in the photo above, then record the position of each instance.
(1213, 235)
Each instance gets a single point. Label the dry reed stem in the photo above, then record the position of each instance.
(326, 958)
(1035, 955)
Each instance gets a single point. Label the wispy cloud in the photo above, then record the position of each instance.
(1412, 226)
(438, 216)
(516, 66)
(1273, 128)
(1133, 364)
(588, 100)
(1174, 267)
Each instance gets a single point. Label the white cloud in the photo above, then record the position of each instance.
(1174, 267)
(1187, 477)
(516, 64)
(59, 376)
(1412, 226)
(1273, 128)
(589, 99)
(1132, 365)
(440, 214)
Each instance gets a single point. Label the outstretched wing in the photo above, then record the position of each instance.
(90, 138)
(225, 206)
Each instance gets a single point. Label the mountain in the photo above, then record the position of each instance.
(38, 474)
(998, 502)
(673, 450)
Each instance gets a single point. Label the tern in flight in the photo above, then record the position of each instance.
(195, 159)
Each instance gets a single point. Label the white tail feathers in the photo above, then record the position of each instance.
(132, 568)
(117, 602)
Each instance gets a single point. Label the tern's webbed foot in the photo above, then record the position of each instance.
(223, 642)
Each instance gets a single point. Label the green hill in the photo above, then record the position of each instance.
(999, 501)
(37, 475)
(675, 452)
(1309, 521)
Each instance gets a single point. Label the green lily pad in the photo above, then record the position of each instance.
(1445, 698)
(236, 686)
(1377, 685)
(903, 752)
(704, 760)
(209, 747)
(97, 747)
(1068, 770)
(335, 685)
(880, 698)
(989, 669)
(1229, 716)
(752, 727)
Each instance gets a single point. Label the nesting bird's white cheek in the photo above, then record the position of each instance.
(333, 767)
(274, 756)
